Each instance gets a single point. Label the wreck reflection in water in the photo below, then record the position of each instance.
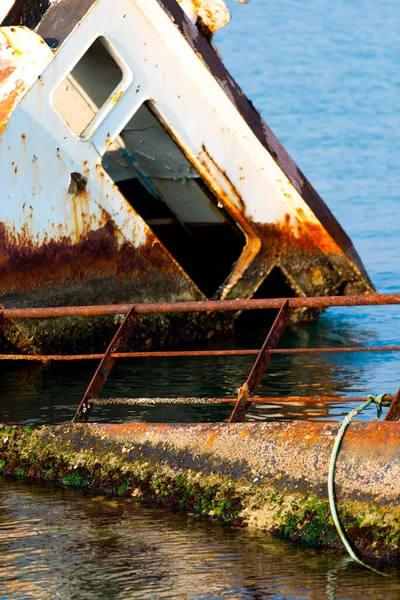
(85, 547)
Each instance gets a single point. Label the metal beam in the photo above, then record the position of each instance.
(262, 361)
(393, 413)
(106, 364)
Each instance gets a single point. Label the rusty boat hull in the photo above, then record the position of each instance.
(161, 183)
(268, 476)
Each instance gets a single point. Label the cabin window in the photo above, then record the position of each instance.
(94, 79)
(162, 185)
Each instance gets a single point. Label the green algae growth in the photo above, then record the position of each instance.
(75, 456)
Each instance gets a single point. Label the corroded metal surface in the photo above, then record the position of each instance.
(202, 306)
(16, 75)
(209, 307)
(107, 362)
(394, 410)
(282, 158)
(294, 455)
(214, 14)
(81, 240)
(269, 476)
(262, 361)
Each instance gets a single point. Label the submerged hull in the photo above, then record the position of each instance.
(269, 476)
(134, 169)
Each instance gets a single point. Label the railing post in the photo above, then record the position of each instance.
(249, 388)
(106, 364)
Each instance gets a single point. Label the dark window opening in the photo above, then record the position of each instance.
(275, 285)
(160, 183)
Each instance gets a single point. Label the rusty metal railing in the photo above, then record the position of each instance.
(206, 306)
(246, 393)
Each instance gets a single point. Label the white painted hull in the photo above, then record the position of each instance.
(129, 133)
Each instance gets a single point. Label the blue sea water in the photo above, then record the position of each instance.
(325, 76)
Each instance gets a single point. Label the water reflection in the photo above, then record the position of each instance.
(85, 546)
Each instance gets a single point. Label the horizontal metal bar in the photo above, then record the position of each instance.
(194, 353)
(293, 400)
(206, 306)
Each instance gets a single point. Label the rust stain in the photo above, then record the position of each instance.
(253, 242)
(6, 65)
(210, 58)
(123, 429)
(117, 97)
(304, 250)
(394, 411)
(98, 265)
(6, 69)
(282, 237)
(162, 426)
(80, 210)
(318, 233)
(211, 439)
(379, 437)
(308, 255)
(207, 16)
(8, 102)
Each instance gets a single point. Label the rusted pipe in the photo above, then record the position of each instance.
(206, 306)
(269, 476)
(198, 353)
(290, 400)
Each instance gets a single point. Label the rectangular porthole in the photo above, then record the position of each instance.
(93, 80)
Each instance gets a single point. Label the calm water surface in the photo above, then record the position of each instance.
(325, 76)
(61, 544)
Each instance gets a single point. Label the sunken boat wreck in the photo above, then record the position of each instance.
(141, 187)
(134, 169)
